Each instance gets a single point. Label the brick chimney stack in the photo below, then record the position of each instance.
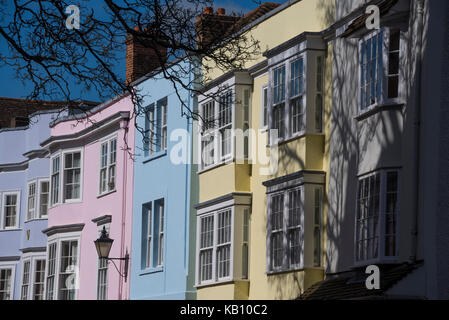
(142, 56)
(212, 27)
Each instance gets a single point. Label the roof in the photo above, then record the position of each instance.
(352, 286)
(260, 11)
(11, 108)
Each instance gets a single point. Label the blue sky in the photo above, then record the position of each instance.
(12, 87)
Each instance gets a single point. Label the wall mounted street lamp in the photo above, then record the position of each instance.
(103, 245)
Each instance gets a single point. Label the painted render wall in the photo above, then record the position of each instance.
(118, 204)
(156, 177)
(295, 19)
(385, 140)
(16, 142)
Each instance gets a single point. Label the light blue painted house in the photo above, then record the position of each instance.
(24, 190)
(165, 189)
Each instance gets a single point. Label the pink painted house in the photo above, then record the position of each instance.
(91, 183)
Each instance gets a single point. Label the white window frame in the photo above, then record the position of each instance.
(383, 99)
(213, 131)
(109, 164)
(154, 239)
(164, 127)
(286, 265)
(31, 212)
(149, 127)
(215, 278)
(148, 207)
(61, 189)
(107, 226)
(381, 258)
(52, 187)
(32, 258)
(35, 260)
(37, 212)
(4, 194)
(39, 203)
(58, 239)
(28, 284)
(264, 106)
(286, 101)
(225, 127)
(6, 265)
(161, 233)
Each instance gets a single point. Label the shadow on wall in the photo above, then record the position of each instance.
(358, 146)
(289, 285)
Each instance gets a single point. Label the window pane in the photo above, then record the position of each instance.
(10, 209)
(51, 271)
(391, 214)
(368, 207)
(43, 201)
(67, 272)
(102, 279)
(72, 175)
(277, 235)
(297, 115)
(31, 201)
(224, 244)
(25, 280)
(39, 275)
(5, 284)
(278, 120)
(279, 85)
(206, 247)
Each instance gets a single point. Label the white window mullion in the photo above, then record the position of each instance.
(214, 251)
(285, 244)
(231, 258)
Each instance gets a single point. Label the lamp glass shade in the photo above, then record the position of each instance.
(103, 245)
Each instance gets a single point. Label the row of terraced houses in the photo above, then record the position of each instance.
(352, 121)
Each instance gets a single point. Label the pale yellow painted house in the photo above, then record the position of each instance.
(247, 249)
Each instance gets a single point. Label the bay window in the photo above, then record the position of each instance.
(296, 84)
(62, 271)
(376, 217)
(216, 135)
(66, 187)
(285, 231)
(223, 241)
(33, 277)
(294, 221)
(108, 158)
(379, 68)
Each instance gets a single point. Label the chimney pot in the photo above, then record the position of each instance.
(221, 11)
(208, 10)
